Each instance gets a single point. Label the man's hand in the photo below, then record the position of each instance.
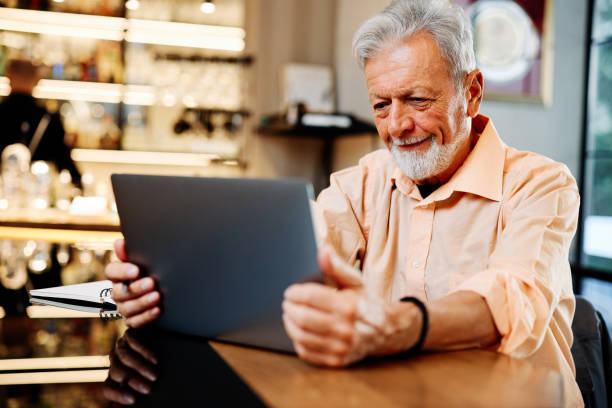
(336, 327)
(132, 370)
(138, 301)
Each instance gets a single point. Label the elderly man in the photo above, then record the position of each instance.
(448, 238)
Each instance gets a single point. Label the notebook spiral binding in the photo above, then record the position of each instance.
(106, 292)
(108, 316)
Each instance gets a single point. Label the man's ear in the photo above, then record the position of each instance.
(473, 92)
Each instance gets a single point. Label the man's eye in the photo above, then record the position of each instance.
(380, 105)
(418, 100)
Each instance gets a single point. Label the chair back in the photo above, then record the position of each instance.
(592, 355)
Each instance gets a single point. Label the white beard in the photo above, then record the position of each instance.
(419, 165)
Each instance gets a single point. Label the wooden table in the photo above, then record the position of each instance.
(470, 378)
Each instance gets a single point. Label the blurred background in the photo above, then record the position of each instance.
(260, 88)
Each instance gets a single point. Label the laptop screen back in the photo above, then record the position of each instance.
(222, 250)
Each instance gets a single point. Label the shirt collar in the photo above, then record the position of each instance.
(481, 173)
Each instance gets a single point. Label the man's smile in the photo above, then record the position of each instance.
(404, 145)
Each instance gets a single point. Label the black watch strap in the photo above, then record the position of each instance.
(424, 327)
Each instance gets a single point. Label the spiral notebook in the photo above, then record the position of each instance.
(91, 297)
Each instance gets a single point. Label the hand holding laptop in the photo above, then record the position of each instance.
(137, 300)
(336, 327)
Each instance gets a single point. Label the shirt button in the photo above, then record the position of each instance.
(416, 264)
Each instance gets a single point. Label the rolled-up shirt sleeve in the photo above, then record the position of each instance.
(337, 214)
(527, 283)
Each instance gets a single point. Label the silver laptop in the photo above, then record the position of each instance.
(222, 250)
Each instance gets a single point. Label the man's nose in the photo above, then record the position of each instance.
(400, 121)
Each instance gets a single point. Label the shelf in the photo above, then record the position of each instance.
(118, 29)
(54, 363)
(60, 236)
(246, 60)
(185, 35)
(66, 24)
(152, 158)
(88, 91)
(55, 377)
(58, 226)
(144, 95)
(53, 312)
(340, 125)
(54, 218)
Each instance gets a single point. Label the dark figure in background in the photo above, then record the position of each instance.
(24, 121)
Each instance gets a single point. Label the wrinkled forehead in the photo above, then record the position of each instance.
(416, 59)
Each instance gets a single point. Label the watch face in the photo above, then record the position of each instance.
(506, 41)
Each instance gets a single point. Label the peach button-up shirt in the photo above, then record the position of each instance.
(501, 227)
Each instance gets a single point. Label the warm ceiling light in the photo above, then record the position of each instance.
(88, 91)
(73, 90)
(138, 157)
(207, 7)
(132, 4)
(67, 24)
(185, 34)
(117, 29)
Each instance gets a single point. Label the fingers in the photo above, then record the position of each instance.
(322, 297)
(129, 367)
(138, 347)
(138, 305)
(339, 271)
(117, 371)
(118, 375)
(138, 288)
(143, 318)
(130, 358)
(319, 358)
(328, 327)
(121, 271)
(137, 302)
(116, 393)
(140, 385)
(313, 341)
(313, 320)
(120, 249)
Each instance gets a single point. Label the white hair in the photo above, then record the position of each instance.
(446, 22)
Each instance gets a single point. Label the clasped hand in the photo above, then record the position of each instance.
(336, 327)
